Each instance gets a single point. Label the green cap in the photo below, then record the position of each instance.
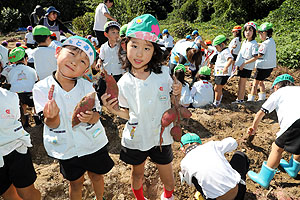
(190, 138)
(144, 27)
(265, 26)
(110, 24)
(219, 39)
(84, 44)
(251, 23)
(180, 67)
(283, 77)
(41, 30)
(123, 30)
(16, 54)
(205, 70)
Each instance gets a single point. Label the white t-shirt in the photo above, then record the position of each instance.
(202, 93)
(198, 38)
(65, 142)
(211, 51)
(12, 134)
(268, 50)
(54, 44)
(29, 38)
(111, 62)
(221, 61)
(4, 55)
(21, 77)
(209, 166)
(146, 100)
(185, 97)
(168, 41)
(248, 51)
(100, 19)
(235, 42)
(29, 53)
(286, 102)
(44, 61)
(180, 49)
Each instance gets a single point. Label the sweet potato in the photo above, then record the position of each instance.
(176, 133)
(167, 118)
(50, 93)
(85, 104)
(111, 87)
(184, 112)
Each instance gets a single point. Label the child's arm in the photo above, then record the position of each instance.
(228, 64)
(253, 59)
(121, 112)
(258, 117)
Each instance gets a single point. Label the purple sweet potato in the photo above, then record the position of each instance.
(85, 104)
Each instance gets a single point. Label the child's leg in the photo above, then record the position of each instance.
(11, 194)
(29, 193)
(242, 88)
(275, 156)
(98, 184)
(75, 188)
(137, 175)
(262, 86)
(254, 87)
(167, 178)
(218, 92)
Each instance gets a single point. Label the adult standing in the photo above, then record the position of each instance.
(51, 21)
(36, 15)
(101, 15)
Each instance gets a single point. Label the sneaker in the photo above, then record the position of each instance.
(238, 101)
(164, 198)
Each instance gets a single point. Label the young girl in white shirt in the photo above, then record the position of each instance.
(144, 95)
(185, 99)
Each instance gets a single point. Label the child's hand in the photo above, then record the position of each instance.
(109, 104)
(251, 131)
(225, 71)
(98, 65)
(85, 117)
(242, 66)
(177, 86)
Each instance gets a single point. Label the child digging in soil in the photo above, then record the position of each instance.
(17, 175)
(285, 100)
(83, 147)
(144, 95)
(206, 167)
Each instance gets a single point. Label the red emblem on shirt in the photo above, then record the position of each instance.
(7, 111)
(161, 88)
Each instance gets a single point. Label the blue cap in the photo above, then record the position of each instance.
(165, 31)
(188, 37)
(52, 9)
(195, 32)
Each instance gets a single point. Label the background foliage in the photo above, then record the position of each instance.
(181, 17)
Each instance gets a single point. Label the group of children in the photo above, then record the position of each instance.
(144, 87)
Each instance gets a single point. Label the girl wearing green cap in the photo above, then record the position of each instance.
(246, 58)
(144, 95)
(285, 100)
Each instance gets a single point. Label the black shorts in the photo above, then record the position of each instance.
(101, 38)
(99, 163)
(245, 73)
(214, 59)
(221, 80)
(234, 57)
(136, 157)
(290, 139)
(18, 170)
(26, 98)
(262, 74)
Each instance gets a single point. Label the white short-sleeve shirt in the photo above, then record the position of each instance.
(4, 55)
(12, 134)
(29, 38)
(198, 38)
(286, 103)
(235, 42)
(65, 142)
(221, 61)
(168, 41)
(185, 97)
(146, 100)
(100, 19)
(209, 166)
(111, 62)
(248, 50)
(21, 77)
(54, 44)
(44, 61)
(268, 50)
(202, 93)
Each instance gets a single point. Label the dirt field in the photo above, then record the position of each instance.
(210, 124)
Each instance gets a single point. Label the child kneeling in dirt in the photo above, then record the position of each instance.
(285, 100)
(206, 167)
(83, 147)
(17, 175)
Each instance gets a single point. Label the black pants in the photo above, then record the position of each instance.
(240, 163)
(101, 38)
